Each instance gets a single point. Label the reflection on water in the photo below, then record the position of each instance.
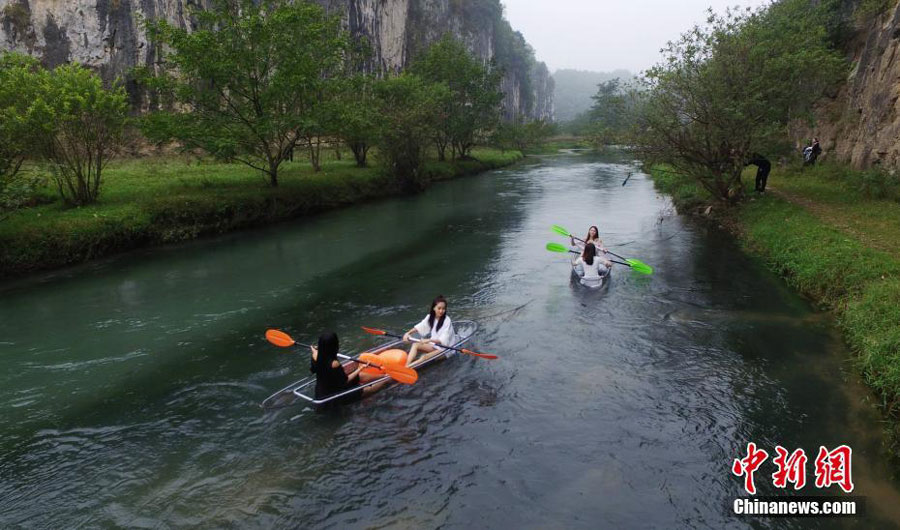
(130, 387)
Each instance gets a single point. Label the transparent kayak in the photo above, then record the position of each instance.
(590, 284)
(304, 389)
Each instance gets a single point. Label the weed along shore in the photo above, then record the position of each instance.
(837, 243)
(156, 201)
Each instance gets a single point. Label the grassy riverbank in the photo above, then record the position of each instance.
(153, 201)
(835, 241)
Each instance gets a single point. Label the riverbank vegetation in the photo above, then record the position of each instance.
(158, 200)
(275, 88)
(727, 90)
(834, 234)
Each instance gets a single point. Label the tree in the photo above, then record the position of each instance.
(408, 109)
(82, 127)
(357, 118)
(609, 113)
(472, 107)
(523, 135)
(19, 82)
(728, 89)
(251, 78)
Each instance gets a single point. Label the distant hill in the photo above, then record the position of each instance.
(574, 89)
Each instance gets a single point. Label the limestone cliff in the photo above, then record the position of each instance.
(861, 123)
(107, 35)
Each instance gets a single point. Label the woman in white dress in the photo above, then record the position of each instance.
(593, 267)
(435, 330)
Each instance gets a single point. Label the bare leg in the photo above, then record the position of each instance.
(413, 351)
(428, 350)
(365, 378)
(369, 390)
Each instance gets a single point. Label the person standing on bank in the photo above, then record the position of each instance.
(762, 172)
(812, 152)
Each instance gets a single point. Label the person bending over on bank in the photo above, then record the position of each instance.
(435, 330)
(762, 172)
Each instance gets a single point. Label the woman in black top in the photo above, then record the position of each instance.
(330, 376)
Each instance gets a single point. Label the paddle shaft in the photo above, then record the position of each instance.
(606, 251)
(582, 240)
(612, 260)
(346, 357)
(436, 345)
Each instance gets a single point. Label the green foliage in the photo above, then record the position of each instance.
(523, 135)
(472, 106)
(861, 284)
(410, 112)
(357, 120)
(20, 80)
(855, 184)
(876, 183)
(610, 115)
(870, 8)
(872, 324)
(163, 200)
(82, 127)
(686, 193)
(254, 78)
(728, 90)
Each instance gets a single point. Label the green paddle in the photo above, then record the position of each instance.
(556, 247)
(635, 264)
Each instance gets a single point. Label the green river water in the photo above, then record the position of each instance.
(130, 387)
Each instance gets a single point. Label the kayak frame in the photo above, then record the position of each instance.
(298, 388)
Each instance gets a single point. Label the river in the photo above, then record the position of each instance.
(130, 387)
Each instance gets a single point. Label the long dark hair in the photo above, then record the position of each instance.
(589, 252)
(431, 315)
(328, 350)
(587, 238)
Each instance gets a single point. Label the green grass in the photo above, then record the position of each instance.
(859, 283)
(161, 200)
(553, 145)
(685, 192)
(825, 233)
(864, 204)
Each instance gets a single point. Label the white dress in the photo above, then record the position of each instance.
(446, 334)
(592, 274)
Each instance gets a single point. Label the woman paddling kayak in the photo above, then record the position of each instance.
(593, 268)
(593, 236)
(437, 327)
(330, 375)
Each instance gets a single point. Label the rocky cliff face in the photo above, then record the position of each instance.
(861, 124)
(107, 35)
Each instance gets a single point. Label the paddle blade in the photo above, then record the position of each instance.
(556, 247)
(279, 338)
(560, 230)
(374, 331)
(640, 266)
(482, 355)
(401, 374)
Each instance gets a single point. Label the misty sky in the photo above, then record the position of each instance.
(604, 35)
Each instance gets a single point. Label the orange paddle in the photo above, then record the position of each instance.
(374, 331)
(401, 374)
